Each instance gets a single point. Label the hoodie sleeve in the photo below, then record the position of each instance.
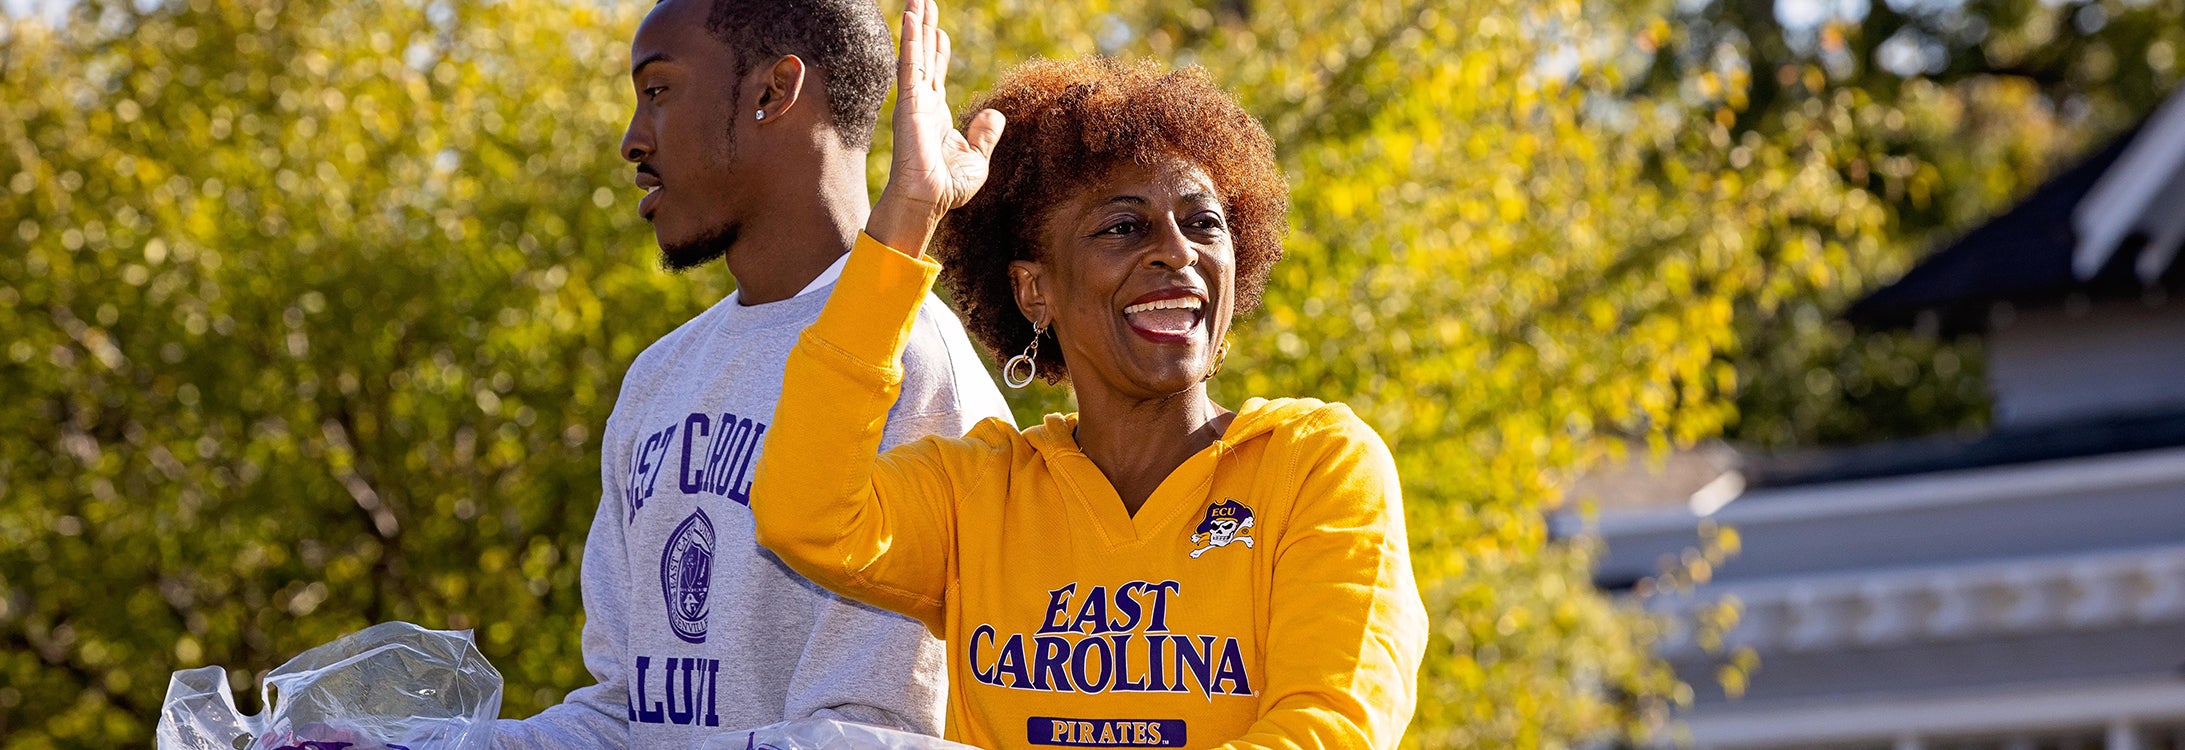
(1346, 620)
(833, 677)
(874, 528)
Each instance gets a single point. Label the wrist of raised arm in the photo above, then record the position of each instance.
(906, 224)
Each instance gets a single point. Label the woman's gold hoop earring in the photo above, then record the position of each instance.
(1221, 355)
(1027, 362)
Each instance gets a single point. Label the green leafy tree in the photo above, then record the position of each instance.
(312, 313)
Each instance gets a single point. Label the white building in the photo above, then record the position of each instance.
(2025, 589)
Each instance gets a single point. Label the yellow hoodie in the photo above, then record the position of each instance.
(1262, 596)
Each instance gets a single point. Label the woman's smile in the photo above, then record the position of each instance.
(1167, 316)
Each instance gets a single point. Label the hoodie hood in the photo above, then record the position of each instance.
(1257, 417)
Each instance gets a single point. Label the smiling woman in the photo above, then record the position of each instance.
(1157, 570)
(1076, 124)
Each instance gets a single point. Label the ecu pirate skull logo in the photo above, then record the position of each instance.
(1226, 522)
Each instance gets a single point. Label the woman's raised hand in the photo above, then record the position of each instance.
(936, 169)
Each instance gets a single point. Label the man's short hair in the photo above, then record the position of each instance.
(846, 40)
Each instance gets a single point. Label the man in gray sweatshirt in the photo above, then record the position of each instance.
(752, 125)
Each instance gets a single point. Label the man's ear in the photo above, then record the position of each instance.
(781, 87)
(1025, 280)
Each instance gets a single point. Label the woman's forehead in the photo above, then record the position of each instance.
(1162, 178)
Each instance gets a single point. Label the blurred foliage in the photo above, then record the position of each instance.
(312, 311)
(1925, 116)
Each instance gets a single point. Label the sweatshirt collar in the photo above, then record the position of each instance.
(1184, 489)
(825, 279)
(1258, 416)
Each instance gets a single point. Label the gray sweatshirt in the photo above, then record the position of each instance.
(692, 629)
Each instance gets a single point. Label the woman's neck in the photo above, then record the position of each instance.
(1137, 443)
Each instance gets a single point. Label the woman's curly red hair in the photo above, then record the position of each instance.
(1069, 122)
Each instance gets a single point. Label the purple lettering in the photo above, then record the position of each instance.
(1159, 621)
(1093, 618)
(1080, 655)
(685, 711)
(1051, 659)
(713, 691)
(1199, 660)
(630, 494)
(990, 676)
(1128, 605)
(740, 487)
(724, 447)
(1057, 601)
(1155, 645)
(647, 713)
(1123, 683)
(688, 481)
(644, 465)
(1231, 670)
(1012, 663)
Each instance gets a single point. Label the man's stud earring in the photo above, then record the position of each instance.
(762, 114)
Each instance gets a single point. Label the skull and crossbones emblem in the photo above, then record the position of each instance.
(1226, 522)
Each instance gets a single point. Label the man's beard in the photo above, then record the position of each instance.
(692, 253)
(713, 243)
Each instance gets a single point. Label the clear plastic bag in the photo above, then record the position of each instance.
(827, 734)
(392, 686)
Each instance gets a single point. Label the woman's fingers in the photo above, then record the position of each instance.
(931, 11)
(940, 63)
(985, 131)
(907, 58)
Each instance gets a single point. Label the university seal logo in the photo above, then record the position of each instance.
(1226, 522)
(686, 575)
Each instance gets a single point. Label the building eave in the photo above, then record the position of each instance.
(2108, 227)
